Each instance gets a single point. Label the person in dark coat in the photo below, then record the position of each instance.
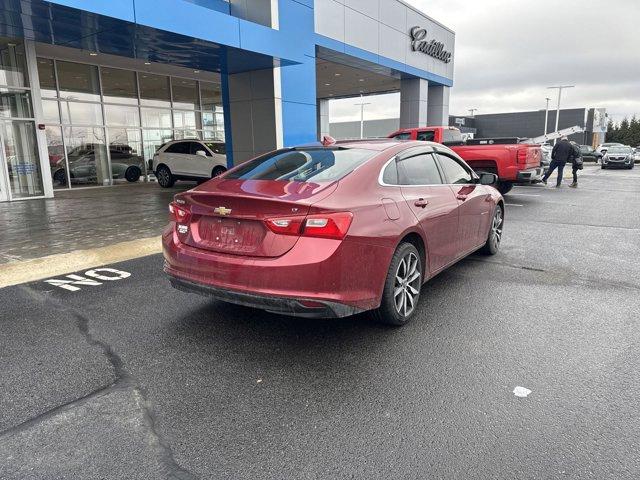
(577, 163)
(561, 154)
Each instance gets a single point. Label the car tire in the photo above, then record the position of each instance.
(165, 177)
(504, 187)
(60, 177)
(492, 245)
(405, 264)
(132, 174)
(217, 171)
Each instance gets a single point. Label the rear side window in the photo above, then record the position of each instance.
(419, 170)
(310, 165)
(426, 136)
(195, 146)
(218, 148)
(390, 174)
(180, 147)
(451, 135)
(453, 171)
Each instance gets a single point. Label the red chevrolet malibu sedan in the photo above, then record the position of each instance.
(332, 230)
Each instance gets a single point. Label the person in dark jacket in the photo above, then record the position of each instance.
(577, 163)
(561, 154)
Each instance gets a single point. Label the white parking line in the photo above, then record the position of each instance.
(526, 194)
(514, 205)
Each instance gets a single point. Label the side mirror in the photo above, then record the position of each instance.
(202, 153)
(488, 178)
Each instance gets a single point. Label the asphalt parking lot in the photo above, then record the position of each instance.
(128, 378)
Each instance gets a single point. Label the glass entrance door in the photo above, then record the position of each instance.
(20, 169)
(4, 180)
(20, 160)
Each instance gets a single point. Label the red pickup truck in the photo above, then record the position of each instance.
(514, 163)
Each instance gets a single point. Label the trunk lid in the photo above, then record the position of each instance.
(227, 216)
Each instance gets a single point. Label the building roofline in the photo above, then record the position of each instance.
(417, 10)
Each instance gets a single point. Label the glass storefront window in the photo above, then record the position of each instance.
(15, 103)
(46, 73)
(21, 156)
(212, 134)
(119, 86)
(208, 119)
(13, 70)
(77, 113)
(56, 156)
(125, 149)
(185, 93)
(156, 118)
(211, 95)
(78, 81)
(183, 119)
(50, 111)
(183, 134)
(87, 156)
(154, 90)
(119, 115)
(152, 139)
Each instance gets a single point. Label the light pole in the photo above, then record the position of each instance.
(472, 111)
(362, 104)
(546, 116)
(560, 88)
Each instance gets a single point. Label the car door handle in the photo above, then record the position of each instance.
(462, 196)
(421, 202)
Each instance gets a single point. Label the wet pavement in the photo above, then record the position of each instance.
(81, 219)
(130, 379)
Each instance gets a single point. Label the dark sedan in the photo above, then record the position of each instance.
(590, 154)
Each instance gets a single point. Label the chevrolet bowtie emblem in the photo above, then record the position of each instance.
(222, 210)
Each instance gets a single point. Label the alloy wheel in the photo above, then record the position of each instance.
(496, 228)
(407, 284)
(163, 176)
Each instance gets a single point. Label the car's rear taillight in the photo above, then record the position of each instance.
(285, 225)
(324, 225)
(522, 155)
(179, 213)
(334, 225)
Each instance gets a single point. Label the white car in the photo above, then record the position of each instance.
(603, 147)
(189, 159)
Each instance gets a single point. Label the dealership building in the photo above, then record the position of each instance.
(90, 88)
(591, 123)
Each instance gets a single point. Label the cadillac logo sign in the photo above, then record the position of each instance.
(431, 47)
(222, 210)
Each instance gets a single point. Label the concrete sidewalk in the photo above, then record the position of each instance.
(81, 229)
(83, 219)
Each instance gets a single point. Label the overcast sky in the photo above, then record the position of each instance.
(507, 52)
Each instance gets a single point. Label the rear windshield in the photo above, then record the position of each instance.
(310, 165)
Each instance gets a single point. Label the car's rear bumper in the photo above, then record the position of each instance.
(284, 305)
(340, 277)
(533, 175)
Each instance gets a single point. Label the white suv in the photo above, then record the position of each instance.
(190, 159)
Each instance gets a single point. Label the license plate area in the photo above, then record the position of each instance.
(229, 235)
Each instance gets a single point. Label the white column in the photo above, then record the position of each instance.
(438, 111)
(323, 117)
(41, 138)
(255, 110)
(413, 102)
